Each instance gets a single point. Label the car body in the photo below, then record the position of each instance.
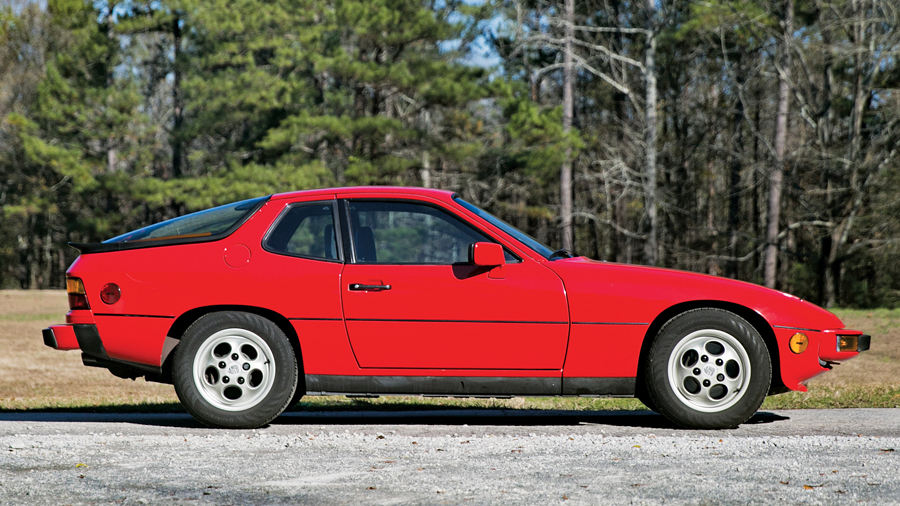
(381, 290)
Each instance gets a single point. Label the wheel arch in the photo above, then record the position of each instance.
(181, 324)
(752, 317)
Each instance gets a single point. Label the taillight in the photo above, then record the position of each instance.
(77, 297)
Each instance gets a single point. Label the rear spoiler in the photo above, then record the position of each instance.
(99, 247)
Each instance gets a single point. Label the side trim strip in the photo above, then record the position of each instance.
(609, 323)
(795, 328)
(327, 384)
(316, 319)
(450, 321)
(613, 387)
(135, 315)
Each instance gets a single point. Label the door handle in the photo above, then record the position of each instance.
(365, 288)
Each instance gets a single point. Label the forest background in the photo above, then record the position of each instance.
(754, 139)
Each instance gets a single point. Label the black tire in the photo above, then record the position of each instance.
(234, 370)
(299, 392)
(696, 373)
(644, 396)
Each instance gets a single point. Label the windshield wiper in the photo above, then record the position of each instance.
(561, 253)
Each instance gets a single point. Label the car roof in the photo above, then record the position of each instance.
(350, 191)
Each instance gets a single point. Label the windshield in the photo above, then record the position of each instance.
(208, 223)
(522, 237)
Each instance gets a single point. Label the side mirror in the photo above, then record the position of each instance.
(486, 254)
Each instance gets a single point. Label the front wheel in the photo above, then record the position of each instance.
(235, 370)
(708, 369)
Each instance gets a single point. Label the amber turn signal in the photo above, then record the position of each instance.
(799, 342)
(77, 298)
(848, 343)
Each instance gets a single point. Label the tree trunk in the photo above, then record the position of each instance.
(111, 38)
(853, 159)
(650, 137)
(777, 175)
(177, 100)
(734, 186)
(756, 213)
(425, 173)
(565, 183)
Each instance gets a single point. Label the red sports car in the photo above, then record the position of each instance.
(247, 307)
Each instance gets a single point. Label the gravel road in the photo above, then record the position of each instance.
(452, 457)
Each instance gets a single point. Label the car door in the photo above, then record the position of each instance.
(412, 300)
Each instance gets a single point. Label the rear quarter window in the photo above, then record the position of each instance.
(305, 230)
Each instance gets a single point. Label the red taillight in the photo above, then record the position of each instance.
(110, 293)
(77, 297)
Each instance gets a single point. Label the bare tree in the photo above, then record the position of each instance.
(565, 183)
(776, 176)
(651, 248)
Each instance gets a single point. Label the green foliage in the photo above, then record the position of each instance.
(110, 121)
(231, 184)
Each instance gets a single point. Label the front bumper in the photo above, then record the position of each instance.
(864, 341)
(830, 348)
(822, 354)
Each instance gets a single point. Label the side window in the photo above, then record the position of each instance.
(305, 230)
(407, 233)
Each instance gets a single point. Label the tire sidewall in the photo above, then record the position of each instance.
(283, 387)
(657, 371)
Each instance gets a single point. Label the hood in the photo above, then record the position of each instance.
(639, 293)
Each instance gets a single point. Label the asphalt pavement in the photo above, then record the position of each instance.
(451, 457)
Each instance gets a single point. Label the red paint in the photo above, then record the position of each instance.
(609, 351)
(122, 340)
(65, 337)
(237, 255)
(80, 316)
(455, 311)
(537, 318)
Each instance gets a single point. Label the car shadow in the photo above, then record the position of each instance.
(449, 417)
(500, 417)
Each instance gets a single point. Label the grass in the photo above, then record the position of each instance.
(35, 378)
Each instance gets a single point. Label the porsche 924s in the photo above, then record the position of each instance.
(371, 291)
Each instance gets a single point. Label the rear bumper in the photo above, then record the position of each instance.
(73, 337)
(86, 338)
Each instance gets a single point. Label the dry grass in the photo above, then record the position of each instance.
(35, 377)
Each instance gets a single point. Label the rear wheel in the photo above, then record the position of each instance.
(708, 369)
(235, 370)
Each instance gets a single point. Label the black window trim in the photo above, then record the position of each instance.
(104, 247)
(350, 243)
(456, 197)
(337, 230)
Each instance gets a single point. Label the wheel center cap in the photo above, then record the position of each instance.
(235, 369)
(709, 370)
